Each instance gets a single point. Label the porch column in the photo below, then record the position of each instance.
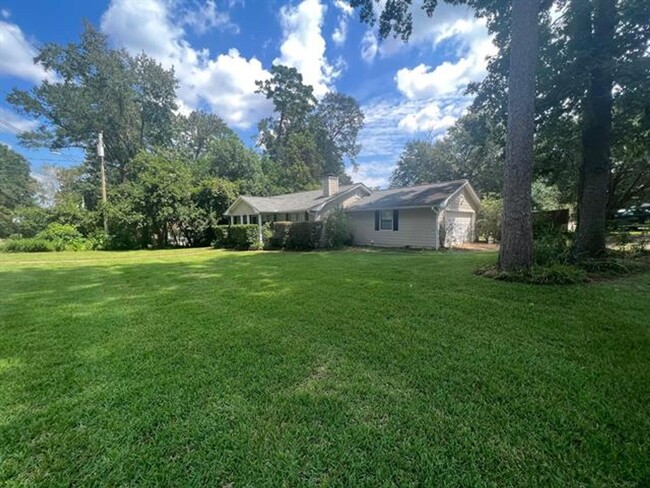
(259, 228)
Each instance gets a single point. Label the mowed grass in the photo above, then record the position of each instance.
(356, 368)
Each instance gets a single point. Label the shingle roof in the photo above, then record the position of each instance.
(412, 196)
(292, 202)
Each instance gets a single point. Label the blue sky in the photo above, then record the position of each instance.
(220, 47)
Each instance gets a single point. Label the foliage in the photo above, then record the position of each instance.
(194, 133)
(243, 237)
(471, 149)
(551, 246)
(17, 187)
(221, 240)
(30, 244)
(305, 139)
(304, 236)
(131, 99)
(29, 221)
(64, 237)
(337, 231)
(488, 219)
(279, 236)
(228, 158)
(553, 274)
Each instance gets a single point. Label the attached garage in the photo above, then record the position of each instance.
(424, 216)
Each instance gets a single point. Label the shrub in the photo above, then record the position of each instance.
(31, 244)
(336, 230)
(243, 237)
(221, 237)
(488, 220)
(304, 236)
(551, 246)
(63, 237)
(555, 274)
(280, 231)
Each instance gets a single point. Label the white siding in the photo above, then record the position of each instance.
(460, 219)
(416, 229)
(242, 208)
(461, 202)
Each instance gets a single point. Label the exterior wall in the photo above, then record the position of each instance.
(462, 206)
(416, 229)
(461, 202)
(242, 208)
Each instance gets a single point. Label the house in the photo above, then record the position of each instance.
(423, 216)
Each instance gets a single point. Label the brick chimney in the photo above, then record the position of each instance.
(330, 185)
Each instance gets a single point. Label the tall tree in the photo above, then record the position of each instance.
(596, 124)
(17, 187)
(516, 251)
(99, 89)
(292, 100)
(306, 139)
(195, 132)
(341, 119)
(471, 149)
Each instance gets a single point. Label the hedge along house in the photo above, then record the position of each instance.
(424, 216)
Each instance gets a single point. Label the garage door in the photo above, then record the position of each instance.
(458, 228)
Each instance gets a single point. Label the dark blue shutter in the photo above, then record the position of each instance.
(377, 216)
(395, 219)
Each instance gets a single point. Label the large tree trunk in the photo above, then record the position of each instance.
(596, 136)
(517, 236)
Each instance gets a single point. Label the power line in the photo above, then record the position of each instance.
(12, 128)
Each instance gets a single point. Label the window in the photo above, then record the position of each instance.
(296, 217)
(236, 220)
(252, 219)
(386, 220)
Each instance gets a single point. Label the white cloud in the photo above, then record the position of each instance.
(341, 31)
(203, 17)
(5, 13)
(303, 45)
(17, 55)
(12, 123)
(369, 46)
(225, 83)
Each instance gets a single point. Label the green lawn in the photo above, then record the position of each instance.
(209, 368)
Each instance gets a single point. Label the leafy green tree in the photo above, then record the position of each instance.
(17, 187)
(306, 139)
(195, 132)
(466, 152)
(131, 100)
(292, 100)
(340, 118)
(228, 158)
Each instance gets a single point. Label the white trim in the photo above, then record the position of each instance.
(467, 184)
(241, 198)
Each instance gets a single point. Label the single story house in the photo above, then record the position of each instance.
(423, 216)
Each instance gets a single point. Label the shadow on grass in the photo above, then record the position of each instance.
(352, 368)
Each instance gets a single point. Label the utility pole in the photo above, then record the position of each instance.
(102, 171)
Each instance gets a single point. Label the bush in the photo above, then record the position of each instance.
(31, 244)
(304, 236)
(221, 237)
(280, 232)
(63, 237)
(551, 246)
(240, 237)
(488, 220)
(555, 274)
(336, 230)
